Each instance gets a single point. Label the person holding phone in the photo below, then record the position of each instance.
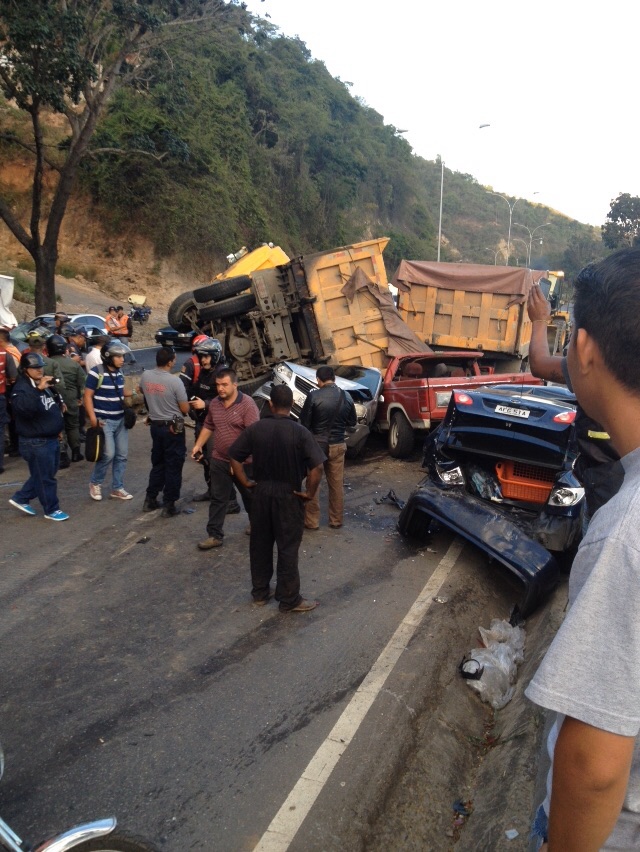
(38, 416)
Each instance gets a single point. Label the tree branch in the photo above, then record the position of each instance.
(95, 151)
(12, 139)
(12, 222)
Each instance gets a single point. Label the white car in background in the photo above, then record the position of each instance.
(363, 384)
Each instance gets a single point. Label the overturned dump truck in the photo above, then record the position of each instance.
(333, 306)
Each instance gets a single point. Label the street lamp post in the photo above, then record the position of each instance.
(510, 206)
(496, 252)
(531, 233)
(440, 217)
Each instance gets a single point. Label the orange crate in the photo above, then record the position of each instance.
(527, 482)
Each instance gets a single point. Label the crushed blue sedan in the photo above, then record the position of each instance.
(500, 474)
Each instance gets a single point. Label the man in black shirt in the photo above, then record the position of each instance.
(284, 453)
(328, 412)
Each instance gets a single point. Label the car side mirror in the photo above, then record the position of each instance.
(381, 398)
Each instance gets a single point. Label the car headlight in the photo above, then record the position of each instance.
(564, 496)
(361, 413)
(450, 475)
(284, 373)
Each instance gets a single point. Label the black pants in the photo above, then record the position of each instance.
(168, 452)
(220, 485)
(277, 516)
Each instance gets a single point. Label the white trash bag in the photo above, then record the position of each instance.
(493, 670)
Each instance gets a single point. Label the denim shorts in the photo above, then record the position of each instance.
(540, 827)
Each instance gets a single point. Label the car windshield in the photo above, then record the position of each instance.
(363, 376)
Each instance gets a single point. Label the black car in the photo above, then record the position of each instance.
(500, 474)
(168, 336)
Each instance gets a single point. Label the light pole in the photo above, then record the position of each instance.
(496, 252)
(440, 217)
(531, 233)
(510, 206)
(526, 248)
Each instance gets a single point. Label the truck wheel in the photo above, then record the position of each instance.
(251, 385)
(401, 437)
(228, 307)
(183, 312)
(218, 290)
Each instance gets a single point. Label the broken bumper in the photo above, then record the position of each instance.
(490, 529)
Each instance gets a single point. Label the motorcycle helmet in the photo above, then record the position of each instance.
(210, 346)
(56, 345)
(199, 338)
(31, 361)
(113, 347)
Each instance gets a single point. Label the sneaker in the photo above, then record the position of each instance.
(59, 515)
(121, 494)
(95, 491)
(210, 542)
(24, 507)
(303, 606)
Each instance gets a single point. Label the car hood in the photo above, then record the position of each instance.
(359, 391)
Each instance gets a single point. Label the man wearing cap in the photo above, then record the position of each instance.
(122, 332)
(39, 422)
(111, 320)
(60, 318)
(76, 336)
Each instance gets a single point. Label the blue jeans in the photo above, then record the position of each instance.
(116, 446)
(540, 827)
(43, 456)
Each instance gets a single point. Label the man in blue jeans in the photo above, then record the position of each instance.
(104, 404)
(39, 421)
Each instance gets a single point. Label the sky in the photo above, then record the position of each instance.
(556, 83)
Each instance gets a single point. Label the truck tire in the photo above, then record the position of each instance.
(250, 386)
(223, 289)
(228, 308)
(181, 311)
(401, 438)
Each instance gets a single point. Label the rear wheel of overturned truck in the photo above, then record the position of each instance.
(228, 308)
(183, 312)
(223, 289)
(401, 437)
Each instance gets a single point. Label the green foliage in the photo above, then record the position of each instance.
(622, 228)
(24, 288)
(42, 43)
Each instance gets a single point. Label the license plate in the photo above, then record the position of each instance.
(512, 412)
(299, 398)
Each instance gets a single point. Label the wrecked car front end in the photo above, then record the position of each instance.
(500, 474)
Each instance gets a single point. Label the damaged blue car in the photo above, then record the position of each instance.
(500, 474)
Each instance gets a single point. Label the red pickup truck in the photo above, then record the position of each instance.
(417, 388)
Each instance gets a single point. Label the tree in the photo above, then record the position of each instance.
(583, 248)
(622, 228)
(69, 57)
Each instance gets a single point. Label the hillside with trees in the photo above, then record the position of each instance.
(226, 133)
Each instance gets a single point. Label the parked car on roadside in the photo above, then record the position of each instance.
(168, 336)
(363, 384)
(500, 474)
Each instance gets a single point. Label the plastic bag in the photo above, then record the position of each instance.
(495, 666)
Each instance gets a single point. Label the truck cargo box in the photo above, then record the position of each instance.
(467, 306)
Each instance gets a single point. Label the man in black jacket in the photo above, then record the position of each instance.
(328, 413)
(39, 421)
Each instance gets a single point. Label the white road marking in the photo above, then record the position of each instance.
(299, 802)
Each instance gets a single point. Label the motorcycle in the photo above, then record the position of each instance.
(97, 836)
(139, 313)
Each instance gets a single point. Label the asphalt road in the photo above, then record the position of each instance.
(138, 680)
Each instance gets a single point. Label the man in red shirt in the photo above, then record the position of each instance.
(230, 413)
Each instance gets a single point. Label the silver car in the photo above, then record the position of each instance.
(363, 384)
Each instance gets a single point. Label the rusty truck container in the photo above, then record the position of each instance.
(352, 330)
(468, 306)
